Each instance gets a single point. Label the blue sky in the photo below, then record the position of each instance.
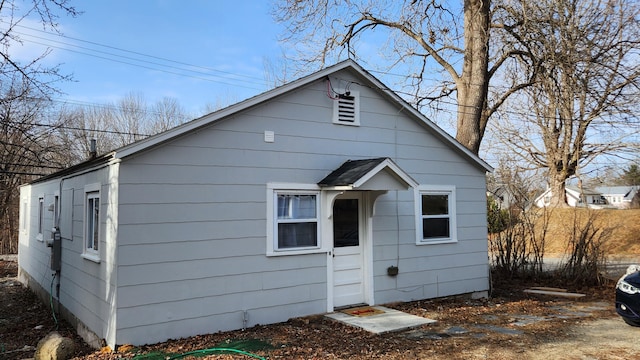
(200, 52)
(117, 47)
(228, 43)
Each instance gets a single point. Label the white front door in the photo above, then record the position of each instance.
(348, 235)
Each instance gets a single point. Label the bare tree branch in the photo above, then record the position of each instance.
(581, 62)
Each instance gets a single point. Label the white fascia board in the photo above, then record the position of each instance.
(391, 165)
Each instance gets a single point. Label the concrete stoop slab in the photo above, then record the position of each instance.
(383, 321)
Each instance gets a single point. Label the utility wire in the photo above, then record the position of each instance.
(443, 101)
(197, 66)
(145, 66)
(205, 71)
(137, 53)
(66, 127)
(451, 112)
(33, 165)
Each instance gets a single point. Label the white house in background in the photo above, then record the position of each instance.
(326, 192)
(619, 196)
(575, 197)
(502, 196)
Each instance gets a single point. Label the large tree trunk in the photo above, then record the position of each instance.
(558, 193)
(472, 85)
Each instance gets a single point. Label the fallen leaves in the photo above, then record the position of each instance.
(465, 329)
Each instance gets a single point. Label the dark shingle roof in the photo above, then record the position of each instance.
(350, 172)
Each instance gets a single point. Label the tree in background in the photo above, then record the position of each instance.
(128, 120)
(28, 150)
(38, 139)
(583, 102)
(26, 85)
(38, 80)
(427, 36)
(631, 176)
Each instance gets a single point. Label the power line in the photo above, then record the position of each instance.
(137, 53)
(66, 127)
(261, 82)
(87, 129)
(145, 66)
(33, 165)
(445, 102)
(206, 71)
(458, 106)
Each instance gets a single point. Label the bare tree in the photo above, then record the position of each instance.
(428, 36)
(28, 151)
(81, 125)
(517, 244)
(40, 80)
(26, 146)
(275, 72)
(583, 104)
(128, 117)
(165, 114)
(115, 125)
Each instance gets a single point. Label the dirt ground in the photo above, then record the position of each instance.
(510, 325)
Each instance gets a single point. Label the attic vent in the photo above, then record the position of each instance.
(346, 109)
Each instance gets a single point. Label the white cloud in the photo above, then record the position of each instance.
(30, 43)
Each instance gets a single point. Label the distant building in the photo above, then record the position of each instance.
(620, 197)
(575, 196)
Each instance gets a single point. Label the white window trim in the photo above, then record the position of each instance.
(356, 104)
(273, 189)
(87, 253)
(449, 190)
(40, 223)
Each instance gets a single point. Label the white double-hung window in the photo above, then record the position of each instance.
(293, 221)
(297, 220)
(436, 214)
(92, 222)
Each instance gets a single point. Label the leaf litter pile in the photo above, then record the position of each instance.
(508, 323)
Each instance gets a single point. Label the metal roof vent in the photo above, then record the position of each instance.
(346, 109)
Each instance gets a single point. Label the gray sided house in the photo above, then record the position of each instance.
(298, 201)
(621, 197)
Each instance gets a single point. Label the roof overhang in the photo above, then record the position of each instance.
(368, 174)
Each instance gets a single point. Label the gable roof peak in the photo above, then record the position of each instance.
(368, 80)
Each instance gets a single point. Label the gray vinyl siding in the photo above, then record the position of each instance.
(33, 254)
(192, 217)
(87, 288)
(431, 270)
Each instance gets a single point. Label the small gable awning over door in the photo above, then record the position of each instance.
(368, 174)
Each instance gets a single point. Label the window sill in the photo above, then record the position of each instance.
(92, 257)
(437, 241)
(295, 252)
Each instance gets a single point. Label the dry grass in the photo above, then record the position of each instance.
(625, 225)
